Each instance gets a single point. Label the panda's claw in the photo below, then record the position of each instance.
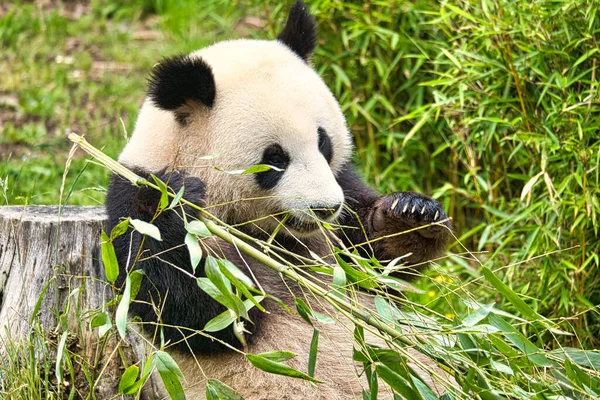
(404, 211)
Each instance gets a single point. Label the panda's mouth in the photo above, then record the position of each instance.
(300, 225)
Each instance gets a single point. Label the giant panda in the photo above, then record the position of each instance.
(256, 102)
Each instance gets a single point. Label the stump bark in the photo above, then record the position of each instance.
(50, 264)
(40, 247)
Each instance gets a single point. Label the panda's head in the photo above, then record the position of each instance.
(241, 103)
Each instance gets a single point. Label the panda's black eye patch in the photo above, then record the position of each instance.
(276, 156)
(325, 146)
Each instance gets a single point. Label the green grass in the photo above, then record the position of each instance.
(87, 76)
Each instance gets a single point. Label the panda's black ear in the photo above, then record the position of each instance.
(176, 80)
(300, 31)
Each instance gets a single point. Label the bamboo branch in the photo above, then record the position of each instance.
(350, 306)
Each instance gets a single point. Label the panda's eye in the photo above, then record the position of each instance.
(276, 156)
(325, 146)
(275, 159)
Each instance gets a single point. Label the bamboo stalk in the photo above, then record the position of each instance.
(350, 306)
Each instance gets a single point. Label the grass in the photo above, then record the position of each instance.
(86, 74)
(491, 106)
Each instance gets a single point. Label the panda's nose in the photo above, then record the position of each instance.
(324, 211)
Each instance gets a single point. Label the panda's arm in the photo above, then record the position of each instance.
(401, 224)
(164, 287)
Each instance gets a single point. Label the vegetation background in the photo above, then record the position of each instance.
(491, 106)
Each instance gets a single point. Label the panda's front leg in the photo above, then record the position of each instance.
(402, 224)
(408, 225)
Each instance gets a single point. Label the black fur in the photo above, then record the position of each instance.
(325, 146)
(276, 156)
(371, 216)
(177, 79)
(183, 303)
(300, 31)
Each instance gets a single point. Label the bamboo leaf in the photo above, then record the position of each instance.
(146, 228)
(273, 367)
(191, 241)
(123, 308)
(199, 228)
(278, 356)
(339, 281)
(128, 379)
(169, 373)
(109, 258)
(177, 198)
(510, 295)
(312, 355)
(217, 390)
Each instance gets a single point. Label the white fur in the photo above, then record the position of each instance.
(264, 94)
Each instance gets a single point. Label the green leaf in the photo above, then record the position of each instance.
(241, 286)
(355, 276)
(236, 272)
(191, 241)
(264, 364)
(415, 129)
(136, 282)
(146, 228)
(213, 272)
(198, 227)
(510, 295)
(341, 74)
(339, 281)
(123, 308)
(209, 288)
(60, 352)
(176, 199)
(220, 322)
(119, 229)
(260, 168)
(227, 317)
(478, 315)
(521, 342)
(278, 356)
(303, 309)
(128, 379)
(396, 382)
(424, 390)
(370, 354)
(586, 358)
(217, 390)
(500, 367)
(312, 356)
(170, 373)
(38, 303)
(164, 193)
(102, 322)
(109, 258)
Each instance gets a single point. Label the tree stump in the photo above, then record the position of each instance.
(52, 261)
(39, 247)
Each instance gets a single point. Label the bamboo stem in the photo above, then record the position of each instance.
(350, 307)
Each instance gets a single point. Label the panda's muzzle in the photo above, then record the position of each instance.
(308, 220)
(323, 211)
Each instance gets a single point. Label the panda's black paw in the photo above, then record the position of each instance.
(402, 211)
(147, 200)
